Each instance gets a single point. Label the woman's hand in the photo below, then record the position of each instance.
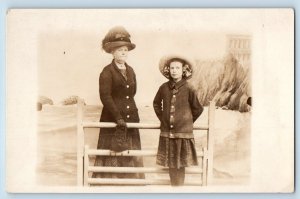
(121, 123)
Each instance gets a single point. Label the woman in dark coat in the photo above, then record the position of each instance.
(117, 87)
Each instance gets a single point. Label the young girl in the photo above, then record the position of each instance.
(177, 107)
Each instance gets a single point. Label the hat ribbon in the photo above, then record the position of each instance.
(121, 39)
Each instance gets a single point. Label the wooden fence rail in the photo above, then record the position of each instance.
(83, 154)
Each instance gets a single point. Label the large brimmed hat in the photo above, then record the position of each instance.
(164, 65)
(117, 37)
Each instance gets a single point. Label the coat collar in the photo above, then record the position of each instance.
(115, 65)
(128, 72)
(176, 85)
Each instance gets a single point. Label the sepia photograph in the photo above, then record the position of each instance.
(150, 100)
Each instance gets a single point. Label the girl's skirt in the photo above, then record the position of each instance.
(176, 152)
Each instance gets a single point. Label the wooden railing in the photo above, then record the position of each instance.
(84, 152)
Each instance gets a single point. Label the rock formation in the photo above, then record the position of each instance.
(42, 100)
(72, 100)
(226, 82)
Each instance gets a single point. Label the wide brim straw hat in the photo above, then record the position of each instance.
(164, 65)
(117, 37)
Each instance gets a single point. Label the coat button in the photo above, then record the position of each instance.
(172, 116)
(128, 116)
(171, 126)
(127, 86)
(174, 95)
(171, 135)
(127, 97)
(172, 106)
(127, 107)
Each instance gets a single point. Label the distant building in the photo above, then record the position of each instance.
(240, 47)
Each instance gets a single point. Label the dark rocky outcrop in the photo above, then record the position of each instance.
(72, 100)
(224, 81)
(42, 100)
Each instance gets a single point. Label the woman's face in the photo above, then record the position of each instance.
(120, 54)
(176, 70)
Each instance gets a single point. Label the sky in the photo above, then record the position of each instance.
(70, 58)
(72, 66)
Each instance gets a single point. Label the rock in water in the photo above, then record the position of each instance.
(39, 106)
(249, 101)
(243, 106)
(45, 100)
(72, 100)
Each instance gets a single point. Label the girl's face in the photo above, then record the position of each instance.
(176, 70)
(120, 54)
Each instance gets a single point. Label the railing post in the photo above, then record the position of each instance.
(86, 166)
(83, 152)
(204, 167)
(80, 142)
(210, 141)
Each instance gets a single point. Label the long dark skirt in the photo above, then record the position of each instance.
(176, 152)
(104, 142)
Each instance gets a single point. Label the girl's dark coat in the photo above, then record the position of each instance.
(186, 109)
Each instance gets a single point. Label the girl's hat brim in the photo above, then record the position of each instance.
(110, 46)
(165, 62)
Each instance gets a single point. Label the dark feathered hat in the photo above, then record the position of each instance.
(117, 37)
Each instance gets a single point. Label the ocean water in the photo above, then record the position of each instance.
(57, 144)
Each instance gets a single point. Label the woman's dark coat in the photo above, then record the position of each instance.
(117, 94)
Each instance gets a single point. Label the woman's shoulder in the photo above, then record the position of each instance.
(106, 71)
(107, 68)
(129, 68)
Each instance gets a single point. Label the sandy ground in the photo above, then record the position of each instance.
(56, 145)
